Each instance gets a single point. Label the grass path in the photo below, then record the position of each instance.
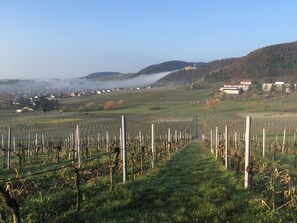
(192, 187)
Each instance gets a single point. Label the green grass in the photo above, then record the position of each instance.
(191, 187)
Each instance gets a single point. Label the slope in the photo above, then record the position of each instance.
(271, 63)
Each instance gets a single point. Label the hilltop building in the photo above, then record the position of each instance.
(191, 68)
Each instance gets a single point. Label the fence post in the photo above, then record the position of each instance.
(124, 148)
(247, 181)
(226, 146)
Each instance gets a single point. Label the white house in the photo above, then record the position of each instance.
(279, 85)
(230, 90)
(243, 86)
(267, 86)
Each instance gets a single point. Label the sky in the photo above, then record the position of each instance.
(42, 39)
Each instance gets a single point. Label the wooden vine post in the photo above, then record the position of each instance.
(121, 142)
(107, 141)
(14, 145)
(284, 141)
(98, 141)
(2, 141)
(36, 140)
(153, 146)
(226, 146)
(8, 147)
(78, 194)
(124, 148)
(77, 169)
(247, 166)
(77, 141)
(29, 145)
(140, 138)
(175, 139)
(217, 143)
(235, 140)
(169, 142)
(211, 143)
(264, 141)
(43, 144)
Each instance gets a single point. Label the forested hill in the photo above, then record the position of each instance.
(276, 62)
(167, 66)
(196, 75)
(271, 63)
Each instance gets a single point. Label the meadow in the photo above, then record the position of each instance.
(185, 184)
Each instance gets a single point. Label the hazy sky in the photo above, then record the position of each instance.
(72, 38)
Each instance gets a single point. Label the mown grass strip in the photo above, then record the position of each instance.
(191, 187)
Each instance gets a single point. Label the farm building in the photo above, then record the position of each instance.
(280, 86)
(236, 88)
(243, 86)
(24, 109)
(230, 90)
(267, 86)
(246, 82)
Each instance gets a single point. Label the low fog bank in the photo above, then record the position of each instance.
(71, 84)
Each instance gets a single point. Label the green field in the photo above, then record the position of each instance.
(187, 183)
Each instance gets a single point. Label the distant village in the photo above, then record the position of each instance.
(245, 85)
(28, 100)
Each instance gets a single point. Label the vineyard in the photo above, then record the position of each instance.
(275, 123)
(81, 167)
(270, 170)
(51, 167)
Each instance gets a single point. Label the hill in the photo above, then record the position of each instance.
(196, 75)
(271, 63)
(102, 76)
(166, 66)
